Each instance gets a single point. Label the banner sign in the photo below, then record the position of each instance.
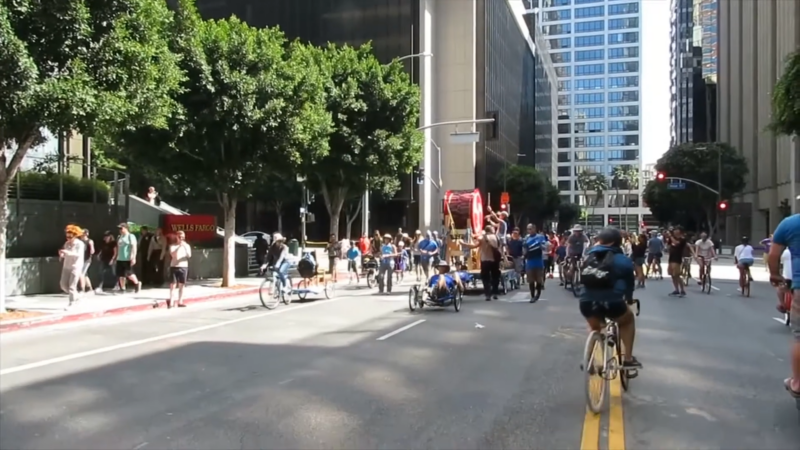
(196, 227)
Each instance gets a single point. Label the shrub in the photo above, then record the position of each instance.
(45, 186)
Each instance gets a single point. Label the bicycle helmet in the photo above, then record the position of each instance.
(745, 240)
(610, 236)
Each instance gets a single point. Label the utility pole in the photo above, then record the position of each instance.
(303, 213)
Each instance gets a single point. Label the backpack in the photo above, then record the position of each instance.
(307, 266)
(598, 270)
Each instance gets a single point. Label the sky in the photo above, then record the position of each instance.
(655, 79)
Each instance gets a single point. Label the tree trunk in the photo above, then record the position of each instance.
(279, 212)
(229, 244)
(334, 200)
(586, 216)
(3, 226)
(619, 211)
(351, 217)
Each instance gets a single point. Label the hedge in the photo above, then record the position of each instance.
(45, 186)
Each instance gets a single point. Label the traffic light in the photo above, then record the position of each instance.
(420, 175)
(723, 205)
(610, 220)
(505, 207)
(493, 128)
(661, 176)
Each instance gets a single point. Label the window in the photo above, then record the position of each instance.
(589, 69)
(623, 111)
(561, 57)
(564, 114)
(551, 3)
(623, 140)
(553, 16)
(621, 38)
(564, 171)
(623, 82)
(623, 24)
(564, 128)
(590, 141)
(564, 185)
(589, 99)
(583, 2)
(623, 97)
(591, 11)
(563, 143)
(589, 127)
(623, 125)
(564, 71)
(594, 168)
(589, 55)
(564, 86)
(585, 84)
(593, 155)
(560, 43)
(564, 157)
(622, 52)
(624, 8)
(623, 67)
(623, 155)
(590, 113)
(564, 100)
(589, 41)
(590, 27)
(553, 30)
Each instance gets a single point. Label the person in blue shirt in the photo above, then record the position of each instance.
(787, 235)
(428, 248)
(443, 282)
(514, 246)
(597, 304)
(386, 268)
(353, 255)
(534, 249)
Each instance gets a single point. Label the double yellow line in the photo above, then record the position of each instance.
(590, 440)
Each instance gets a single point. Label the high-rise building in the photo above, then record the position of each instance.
(483, 63)
(755, 38)
(693, 68)
(595, 46)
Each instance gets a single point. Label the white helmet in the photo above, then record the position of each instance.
(577, 228)
(277, 237)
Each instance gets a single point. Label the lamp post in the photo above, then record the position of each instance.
(365, 198)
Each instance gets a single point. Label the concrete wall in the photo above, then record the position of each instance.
(28, 276)
(754, 40)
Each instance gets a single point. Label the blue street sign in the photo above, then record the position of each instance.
(677, 185)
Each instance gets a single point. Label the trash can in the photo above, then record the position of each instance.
(294, 247)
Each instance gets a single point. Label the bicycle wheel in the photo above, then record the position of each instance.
(329, 288)
(707, 283)
(302, 288)
(576, 283)
(746, 289)
(266, 295)
(287, 296)
(593, 367)
(623, 374)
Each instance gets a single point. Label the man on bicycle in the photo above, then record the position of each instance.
(608, 287)
(577, 243)
(277, 258)
(677, 245)
(704, 253)
(787, 236)
(655, 250)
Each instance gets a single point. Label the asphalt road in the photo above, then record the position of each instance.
(361, 372)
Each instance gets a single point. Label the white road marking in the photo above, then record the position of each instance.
(287, 381)
(779, 320)
(140, 446)
(98, 351)
(397, 331)
(714, 287)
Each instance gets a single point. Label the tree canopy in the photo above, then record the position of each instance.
(375, 110)
(698, 162)
(533, 197)
(786, 98)
(568, 215)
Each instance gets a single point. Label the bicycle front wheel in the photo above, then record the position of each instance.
(267, 296)
(596, 383)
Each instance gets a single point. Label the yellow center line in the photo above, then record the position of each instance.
(590, 440)
(616, 420)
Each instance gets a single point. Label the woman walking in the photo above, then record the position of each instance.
(638, 252)
(85, 285)
(71, 256)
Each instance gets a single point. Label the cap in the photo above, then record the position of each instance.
(387, 236)
(443, 263)
(277, 237)
(418, 232)
(401, 244)
(577, 228)
(123, 225)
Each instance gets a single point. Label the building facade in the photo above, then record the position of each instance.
(595, 47)
(754, 40)
(693, 68)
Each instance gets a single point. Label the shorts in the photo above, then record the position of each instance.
(332, 263)
(603, 310)
(746, 262)
(351, 265)
(179, 274)
(654, 257)
(416, 259)
(86, 265)
(124, 269)
(795, 322)
(638, 262)
(519, 264)
(535, 274)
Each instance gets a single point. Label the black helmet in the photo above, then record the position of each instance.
(745, 240)
(610, 236)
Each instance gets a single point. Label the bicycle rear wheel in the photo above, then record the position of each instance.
(265, 293)
(593, 367)
(576, 283)
(623, 374)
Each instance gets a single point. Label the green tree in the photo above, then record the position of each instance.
(375, 109)
(533, 196)
(278, 191)
(250, 109)
(786, 99)
(699, 163)
(79, 66)
(589, 181)
(568, 215)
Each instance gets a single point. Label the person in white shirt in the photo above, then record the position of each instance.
(786, 273)
(743, 258)
(704, 253)
(180, 252)
(72, 256)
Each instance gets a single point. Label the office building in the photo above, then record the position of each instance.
(483, 62)
(595, 47)
(693, 67)
(754, 40)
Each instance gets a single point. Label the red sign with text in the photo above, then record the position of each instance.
(196, 227)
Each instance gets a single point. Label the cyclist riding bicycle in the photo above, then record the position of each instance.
(577, 243)
(743, 258)
(608, 285)
(277, 258)
(677, 246)
(704, 253)
(655, 250)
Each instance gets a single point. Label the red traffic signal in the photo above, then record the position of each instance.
(661, 176)
(503, 207)
(723, 205)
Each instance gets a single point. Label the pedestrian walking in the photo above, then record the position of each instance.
(85, 284)
(106, 258)
(72, 256)
(180, 253)
(125, 258)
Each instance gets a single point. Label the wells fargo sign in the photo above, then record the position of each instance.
(196, 227)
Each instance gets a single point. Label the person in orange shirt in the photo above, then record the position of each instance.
(551, 255)
(364, 247)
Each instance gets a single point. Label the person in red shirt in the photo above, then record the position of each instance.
(551, 255)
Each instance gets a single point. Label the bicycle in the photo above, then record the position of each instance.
(271, 296)
(787, 305)
(705, 275)
(603, 361)
(654, 270)
(744, 281)
(686, 267)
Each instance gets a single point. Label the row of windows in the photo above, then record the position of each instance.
(592, 84)
(624, 8)
(591, 11)
(598, 127)
(598, 112)
(596, 155)
(599, 69)
(596, 40)
(595, 55)
(617, 140)
(623, 24)
(590, 26)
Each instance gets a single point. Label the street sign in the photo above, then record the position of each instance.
(504, 198)
(677, 185)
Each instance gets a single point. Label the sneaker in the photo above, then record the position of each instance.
(138, 288)
(674, 294)
(98, 290)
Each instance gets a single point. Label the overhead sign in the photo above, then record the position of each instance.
(196, 227)
(678, 185)
(504, 197)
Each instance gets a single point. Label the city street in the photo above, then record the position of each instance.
(362, 372)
